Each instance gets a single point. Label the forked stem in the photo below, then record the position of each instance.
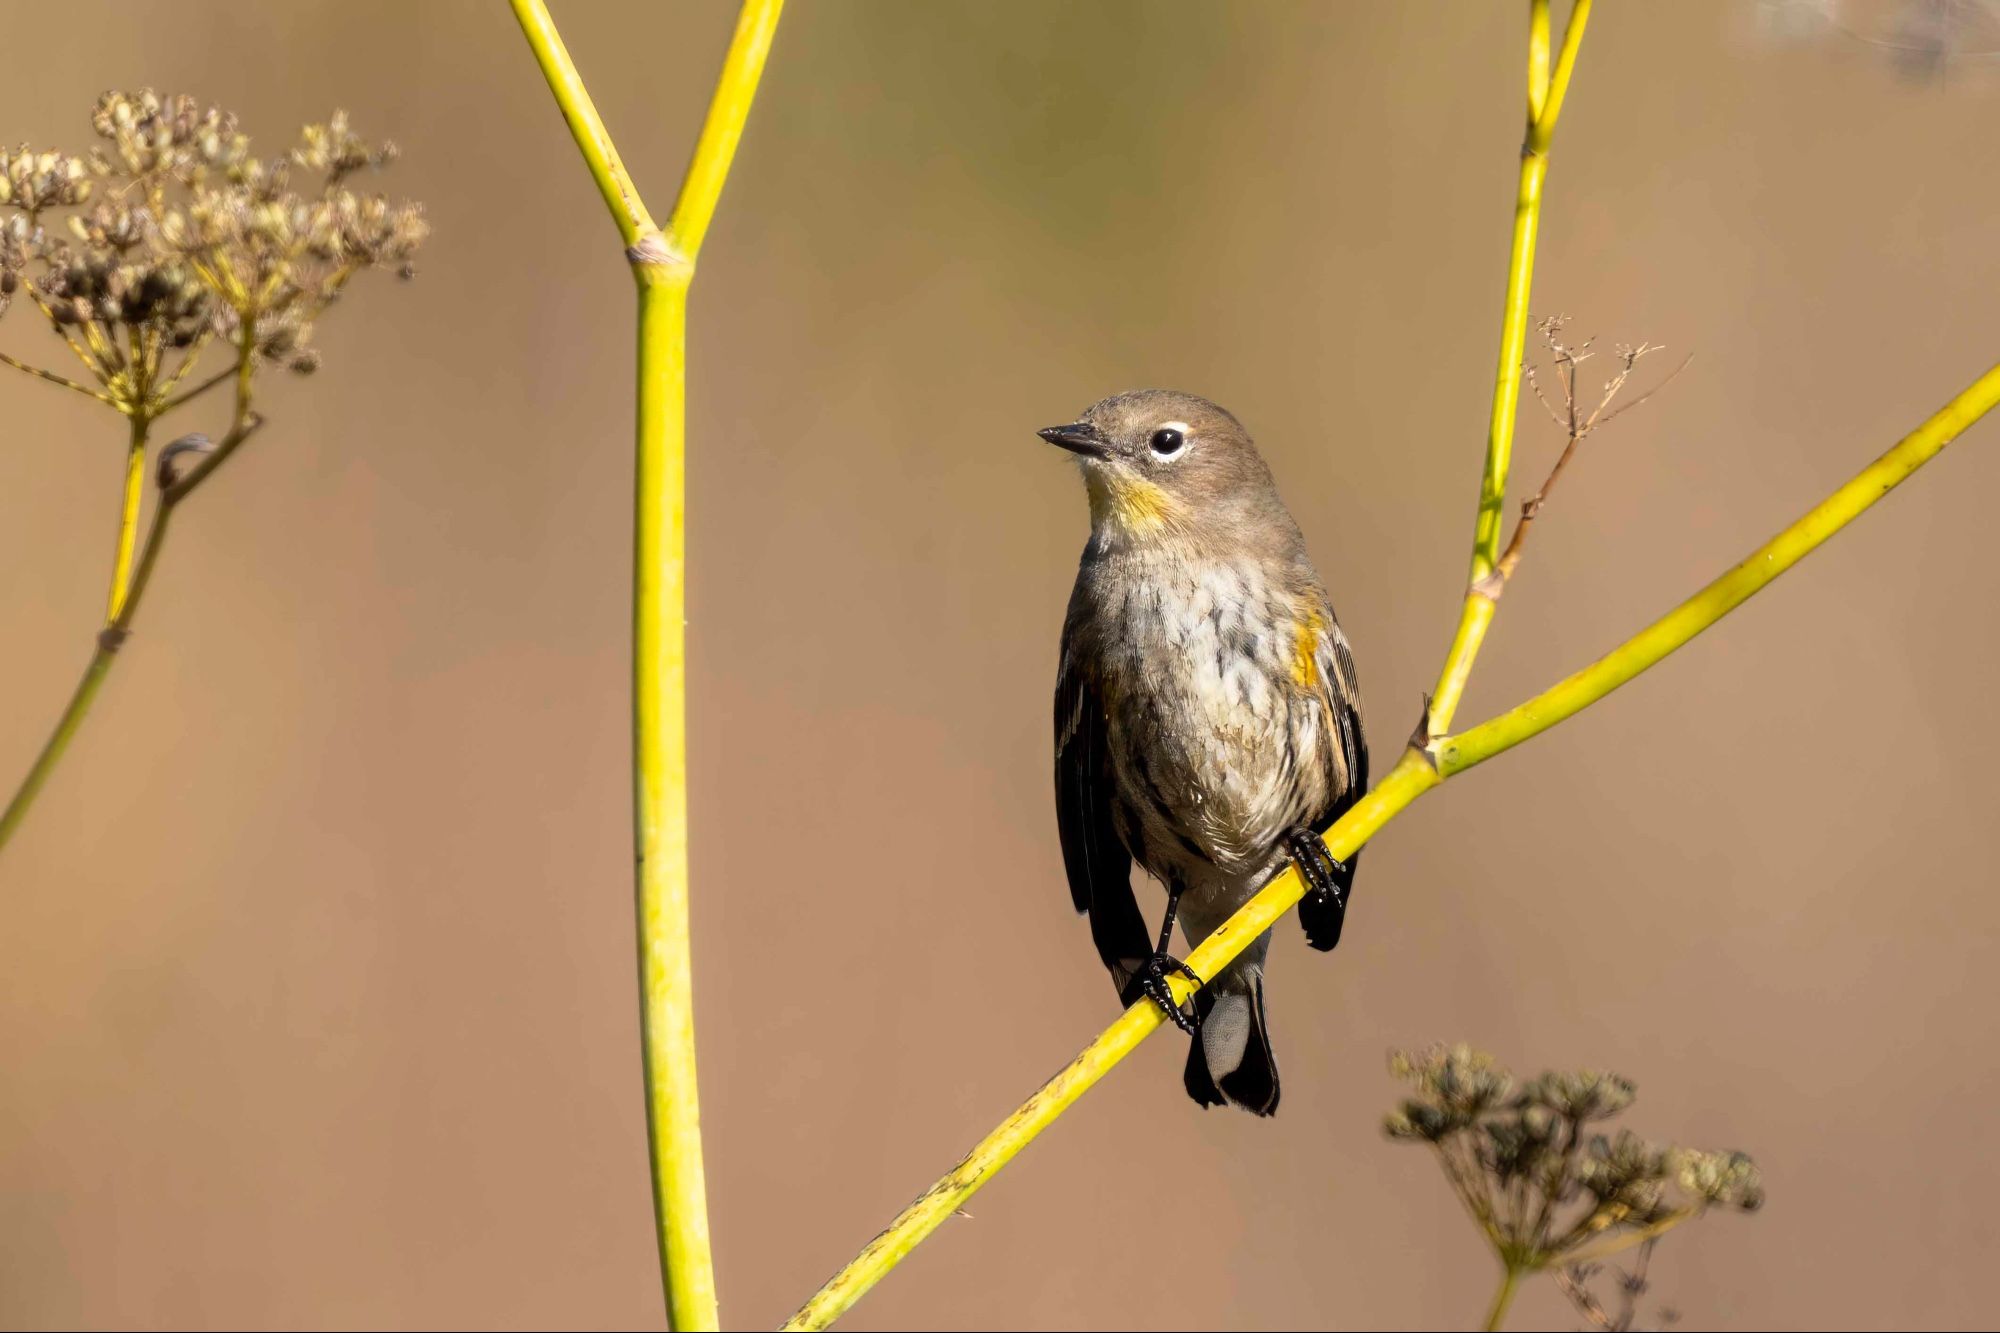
(663, 265)
(130, 578)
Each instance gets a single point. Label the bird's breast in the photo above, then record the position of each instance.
(1215, 723)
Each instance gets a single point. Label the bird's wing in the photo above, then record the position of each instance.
(1342, 687)
(1340, 690)
(1095, 857)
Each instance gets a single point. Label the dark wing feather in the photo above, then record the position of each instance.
(1322, 917)
(1099, 866)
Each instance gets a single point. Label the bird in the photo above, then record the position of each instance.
(1207, 718)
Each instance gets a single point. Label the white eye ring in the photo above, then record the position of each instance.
(1169, 439)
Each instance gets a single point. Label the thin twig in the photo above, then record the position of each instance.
(1535, 383)
(54, 378)
(1626, 1240)
(1669, 378)
(1570, 1282)
(187, 364)
(1567, 359)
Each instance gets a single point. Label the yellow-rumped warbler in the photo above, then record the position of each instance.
(1208, 718)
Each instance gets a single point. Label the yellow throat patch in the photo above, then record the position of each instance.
(1130, 503)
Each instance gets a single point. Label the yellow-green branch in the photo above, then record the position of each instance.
(1547, 89)
(715, 150)
(1455, 754)
(663, 265)
(1404, 783)
(628, 211)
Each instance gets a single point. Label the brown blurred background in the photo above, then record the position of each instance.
(316, 992)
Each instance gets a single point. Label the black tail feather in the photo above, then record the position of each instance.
(1253, 1084)
(1322, 915)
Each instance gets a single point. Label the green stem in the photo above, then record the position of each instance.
(1510, 1281)
(58, 742)
(85, 694)
(1547, 89)
(126, 603)
(659, 804)
(663, 266)
(128, 517)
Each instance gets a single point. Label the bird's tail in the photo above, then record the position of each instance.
(1230, 1059)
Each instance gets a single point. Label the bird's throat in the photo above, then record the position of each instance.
(1127, 506)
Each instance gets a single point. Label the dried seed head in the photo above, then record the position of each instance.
(193, 237)
(1545, 1188)
(1587, 1094)
(1729, 1178)
(34, 182)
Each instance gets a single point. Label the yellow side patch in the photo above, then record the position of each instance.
(1305, 651)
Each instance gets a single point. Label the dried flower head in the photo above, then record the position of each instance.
(192, 240)
(1587, 1094)
(34, 182)
(1546, 1189)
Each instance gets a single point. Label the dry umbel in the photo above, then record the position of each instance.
(169, 235)
(1547, 1187)
(166, 240)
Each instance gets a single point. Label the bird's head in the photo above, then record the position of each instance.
(1161, 466)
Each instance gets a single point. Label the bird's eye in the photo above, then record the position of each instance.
(1169, 440)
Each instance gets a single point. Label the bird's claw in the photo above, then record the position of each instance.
(1319, 868)
(1151, 981)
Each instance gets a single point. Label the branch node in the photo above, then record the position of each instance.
(1423, 737)
(652, 250)
(168, 470)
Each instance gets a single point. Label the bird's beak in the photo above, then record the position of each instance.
(1078, 437)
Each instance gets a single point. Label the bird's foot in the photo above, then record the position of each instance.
(1151, 981)
(1322, 871)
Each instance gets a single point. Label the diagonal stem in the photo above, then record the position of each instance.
(715, 149)
(1749, 576)
(219, 377)
(126, 600)
(109, 640)
(593, 140)
(54, 378)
